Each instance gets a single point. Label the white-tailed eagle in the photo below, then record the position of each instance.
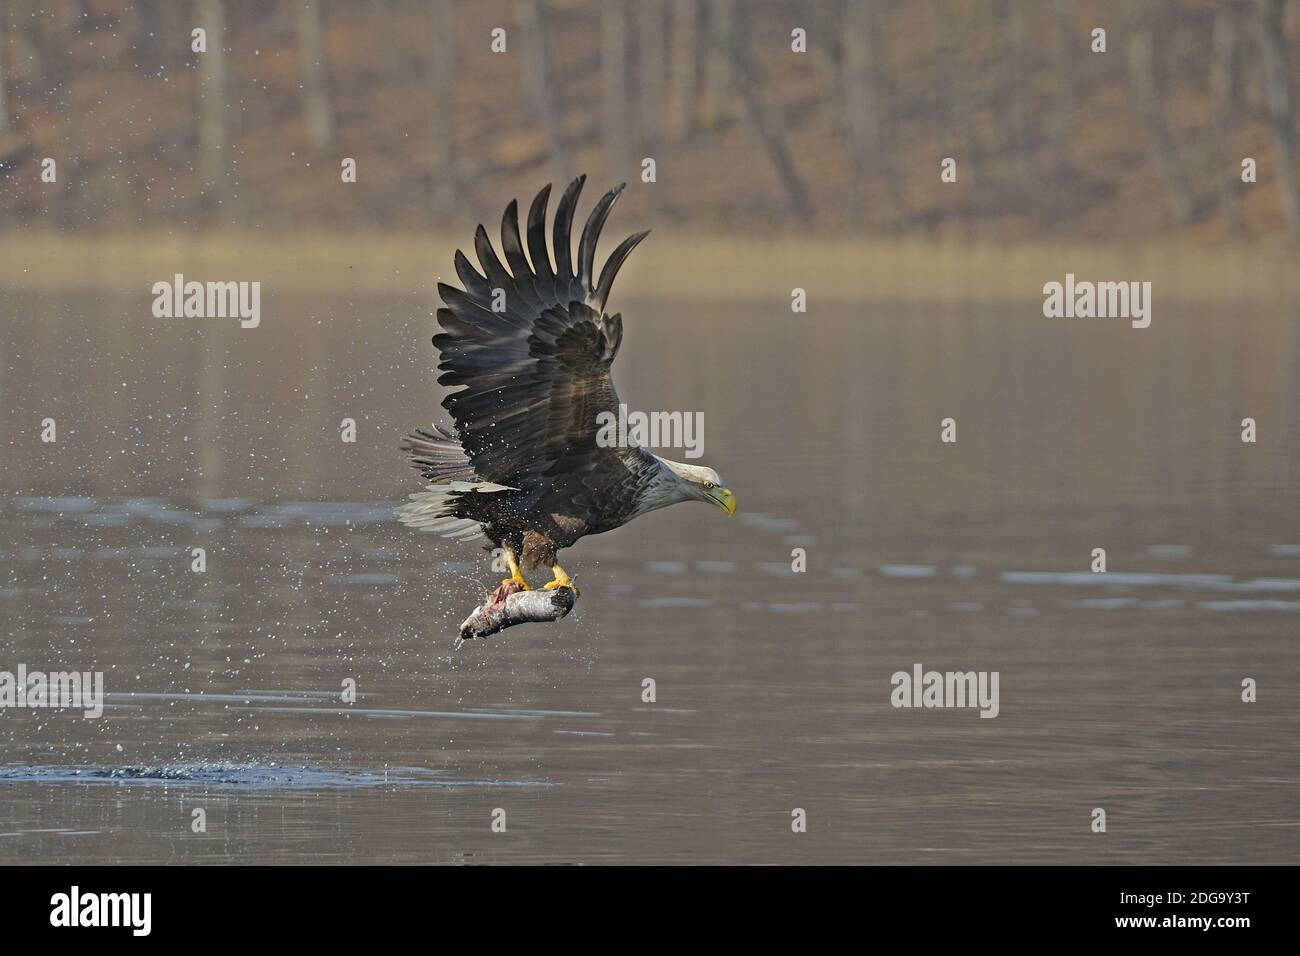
(527, 351)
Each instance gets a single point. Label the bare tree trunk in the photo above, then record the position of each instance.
(1013, 83)
(4, 34)
(444, 107)
(681, 106)
(1146, 91)
(212, 99)
(1223, 68)
(948, 114)
(1063, 112)
(861, 118)
(1277, 86)
(717, 68)
(863, 104)
(541, 83)
(650, 68)
(827, 52)
(316, 105)
(765, 118)
(613, 20)
(50, 33)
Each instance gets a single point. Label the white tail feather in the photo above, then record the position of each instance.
(430, 510)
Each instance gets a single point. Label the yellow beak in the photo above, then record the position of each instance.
(724, 499)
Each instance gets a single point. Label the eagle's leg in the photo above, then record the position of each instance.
(516, 575)
(561, 580)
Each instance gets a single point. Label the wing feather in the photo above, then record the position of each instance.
(612, 265)
(537, 243)
(563, 229)
(529, 382)
(591, 235)
(513, 247)
(475, 284)
(487, 257)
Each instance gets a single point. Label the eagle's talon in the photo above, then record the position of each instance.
(523, 585)
(556, 585)
(561, 580)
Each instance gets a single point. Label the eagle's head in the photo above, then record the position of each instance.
(697, 483)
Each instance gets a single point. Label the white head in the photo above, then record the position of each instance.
(682, 482)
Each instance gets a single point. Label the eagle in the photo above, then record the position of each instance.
(527, 352)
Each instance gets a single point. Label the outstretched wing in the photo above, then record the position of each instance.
(530, 347)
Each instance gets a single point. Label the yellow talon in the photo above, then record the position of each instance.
(516, 575)
(561, 580)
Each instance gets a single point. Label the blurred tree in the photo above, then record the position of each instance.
(764, 117)
(685, 63)
(316, 107)
(4, 35)
(1151, 111)
(159, 32)
(1277, 86)
(650, 69)
(212, 99)
(717, 67)
(828, 20)
(14, 146)
(1224, 41)
(1008, 84)
(540, 83)
(50, 53)
(1012, 95)
(870, 146)
(1063, 111)
(614, 43)
(444, 107)
(946, 113)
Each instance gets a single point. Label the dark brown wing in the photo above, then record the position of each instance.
(529, 349)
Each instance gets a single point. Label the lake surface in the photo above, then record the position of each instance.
(1119, 691)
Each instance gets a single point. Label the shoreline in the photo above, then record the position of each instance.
(689, 266)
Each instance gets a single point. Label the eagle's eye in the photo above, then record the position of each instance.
(709, 484)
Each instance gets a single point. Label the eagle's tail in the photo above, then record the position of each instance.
(437, 455)
(447, 509)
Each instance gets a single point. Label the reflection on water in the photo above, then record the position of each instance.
(225, 688)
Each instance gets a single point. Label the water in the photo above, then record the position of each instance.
(773, 688)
